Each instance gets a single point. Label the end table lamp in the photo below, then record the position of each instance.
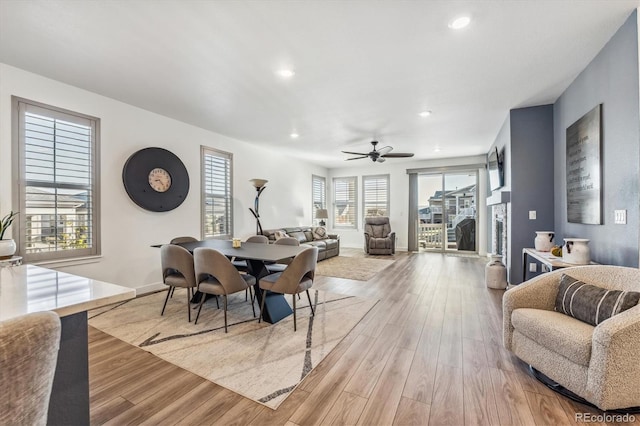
(322, 214)
(260, 186)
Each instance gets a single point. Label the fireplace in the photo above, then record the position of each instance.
(499, 231)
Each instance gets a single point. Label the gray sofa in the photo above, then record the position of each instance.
(317, 236)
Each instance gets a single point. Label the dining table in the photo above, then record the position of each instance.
(257, 256)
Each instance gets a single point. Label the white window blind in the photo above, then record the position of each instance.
(217, 197)
(344, 202)
(57, 175)
(319, 194)
(375, 194)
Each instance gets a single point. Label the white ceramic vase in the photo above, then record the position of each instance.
(576, 250)
(544, 240)
(7, 248)
(495, 273)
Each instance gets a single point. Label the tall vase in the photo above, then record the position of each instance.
(7, 248)
(495, 273)
(576, 250)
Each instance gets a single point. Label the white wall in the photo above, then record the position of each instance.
(399, 192)
(127, 230)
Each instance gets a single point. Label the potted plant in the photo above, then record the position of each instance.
(8, 246)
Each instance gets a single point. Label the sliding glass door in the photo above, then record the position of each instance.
(447, 215)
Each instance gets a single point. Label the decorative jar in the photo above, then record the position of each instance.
(544, 240)
(7, 248)
(576, 250)
(495, 273)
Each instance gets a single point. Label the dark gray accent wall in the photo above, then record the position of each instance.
(610, 79)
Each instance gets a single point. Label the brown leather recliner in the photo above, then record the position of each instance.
(378, 238)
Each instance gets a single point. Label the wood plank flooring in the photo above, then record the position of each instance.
(429, 353)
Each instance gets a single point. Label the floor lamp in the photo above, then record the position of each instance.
(259, 184)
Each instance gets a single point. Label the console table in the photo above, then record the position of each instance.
(546, 258)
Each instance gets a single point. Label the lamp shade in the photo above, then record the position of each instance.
(258, 183)
(322, 214)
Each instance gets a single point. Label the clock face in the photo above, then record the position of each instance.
(155, 179)
(159, 179)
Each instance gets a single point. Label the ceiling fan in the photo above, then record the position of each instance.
(378, 155)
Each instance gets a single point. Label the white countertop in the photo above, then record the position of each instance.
(28, 288)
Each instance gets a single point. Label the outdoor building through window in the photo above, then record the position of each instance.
(344, 202)
(375, 194)
(319, 194)
(217, 197)
(57, 196)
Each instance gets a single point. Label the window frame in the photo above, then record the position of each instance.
(323, 197)
(334, 217)
(385, 177)
(18, 108)
(228, 156)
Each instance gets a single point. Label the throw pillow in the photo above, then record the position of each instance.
(319, 233)
(592, 304)
(280, 234)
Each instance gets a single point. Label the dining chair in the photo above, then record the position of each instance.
(177, 271)
(282, 264)
(216, 275)
(295, 279)
(28, 355)
(241, 264)
(178, 240)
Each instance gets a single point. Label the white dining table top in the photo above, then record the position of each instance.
(28, 288)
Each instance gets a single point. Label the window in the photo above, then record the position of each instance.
(57, 172)
(217, 196)
(318, 194)
(375, 194)
(344, 202)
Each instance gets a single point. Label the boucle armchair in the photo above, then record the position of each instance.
(600, 364)
(378, 238)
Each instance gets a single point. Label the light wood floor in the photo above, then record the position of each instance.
(429, 353)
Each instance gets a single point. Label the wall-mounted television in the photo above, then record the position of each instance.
(495, 163)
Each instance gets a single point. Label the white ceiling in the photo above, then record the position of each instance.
(364, 69)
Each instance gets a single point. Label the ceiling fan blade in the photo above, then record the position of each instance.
(356, 158)
(398, 155)
(385, 150)
(355, 153)
(380, 160)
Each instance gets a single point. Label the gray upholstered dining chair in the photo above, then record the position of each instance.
(177, 271)
(178, 240)
(378, 237)
(28, 355)
(281, 264)
(216, 275)
(296, 278)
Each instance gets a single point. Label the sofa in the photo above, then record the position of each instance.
(328, 244)
(600, 363)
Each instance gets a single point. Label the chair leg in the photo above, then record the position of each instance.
(166, 300)
(294, 311)
(264, 296)
(252, 298)
(171, 290)
(188, 305)
(225, 313)
(313, 313)
(245, 294)
(217, 303)
(200, 306)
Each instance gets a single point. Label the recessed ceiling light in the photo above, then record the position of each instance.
(424, 113)
(436, 149)
(459, 23)
(294, 135)
(286, 73)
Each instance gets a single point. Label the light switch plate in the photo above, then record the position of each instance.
(620, 217)
(532, 215)
(532, 267)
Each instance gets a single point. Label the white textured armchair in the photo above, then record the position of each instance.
(600, 364)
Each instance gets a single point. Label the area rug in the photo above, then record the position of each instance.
(264, 362)
(353, 268)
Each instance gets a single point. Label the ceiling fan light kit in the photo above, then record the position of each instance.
(378, 155)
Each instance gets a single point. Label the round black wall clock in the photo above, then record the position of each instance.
(155, 179)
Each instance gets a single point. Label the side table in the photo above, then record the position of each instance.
(12, 261)
(546, 258)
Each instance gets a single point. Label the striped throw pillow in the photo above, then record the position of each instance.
(592, 304)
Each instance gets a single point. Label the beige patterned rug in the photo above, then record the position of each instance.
(264, 362)
(353, 268)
